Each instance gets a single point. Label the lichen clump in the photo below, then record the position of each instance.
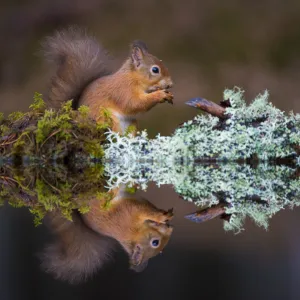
(257, 193)
(236, 156)
(259, 130)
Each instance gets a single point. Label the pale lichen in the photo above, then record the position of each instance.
(257, 193)
(259, 130)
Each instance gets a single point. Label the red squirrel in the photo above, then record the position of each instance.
(139, 84)
(81, 74)
(83, 245)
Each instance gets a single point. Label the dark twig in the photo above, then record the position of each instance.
(208, 106)
(208, 213)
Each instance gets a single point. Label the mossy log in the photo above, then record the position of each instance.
(230, 132)
(45, 135)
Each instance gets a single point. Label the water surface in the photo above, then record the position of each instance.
(200, 260)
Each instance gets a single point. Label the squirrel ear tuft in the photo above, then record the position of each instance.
(138, 51)
(140, 44)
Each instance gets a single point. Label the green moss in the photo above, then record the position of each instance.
(106, 119)
(256, 130)
(106, 198)
(84, 111)
(130, 130)
(84, 209)
(105, 113)
(50, 135)
(3, 196)
(48, 189)
(52, 122)
(38, 104)
(51, 198)
(4, 130)
(18, 146)
(94, 149)
(130, 189)
(15, 116)
(38, 215)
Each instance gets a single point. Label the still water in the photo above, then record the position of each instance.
(232, 233)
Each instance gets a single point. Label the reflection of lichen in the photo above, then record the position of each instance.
(259, 129)
(257, 192)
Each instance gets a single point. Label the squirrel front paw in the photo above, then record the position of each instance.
(164, 216)
(169, 214)
(168, 97)
(163, 96)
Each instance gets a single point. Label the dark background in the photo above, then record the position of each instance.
(207, 45)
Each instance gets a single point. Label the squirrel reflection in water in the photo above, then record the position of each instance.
(142, 81)
(82, 247)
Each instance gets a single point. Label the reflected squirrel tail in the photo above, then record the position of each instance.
(77, 252)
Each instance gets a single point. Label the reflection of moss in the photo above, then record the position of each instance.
(106, 198)
(130, 189)
(44, 190)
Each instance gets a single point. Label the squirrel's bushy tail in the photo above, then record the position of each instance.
(77, 252)
(79, 60)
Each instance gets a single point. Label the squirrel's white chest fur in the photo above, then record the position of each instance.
(125, 121)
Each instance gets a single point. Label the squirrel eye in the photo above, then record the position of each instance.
(155, 69)
(155, 243)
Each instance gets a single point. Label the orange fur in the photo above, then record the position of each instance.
(77, 252)
(133, 223)
(80, 74)
(83, 245)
